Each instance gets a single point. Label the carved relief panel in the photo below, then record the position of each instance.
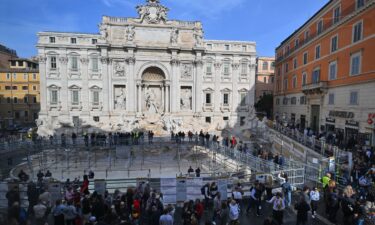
(186, 98)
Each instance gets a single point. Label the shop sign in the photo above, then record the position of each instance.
(341, 114)
(330, 120)
(352, 123)
(371, 118)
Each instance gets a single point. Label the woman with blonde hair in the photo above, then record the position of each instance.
(349, 207)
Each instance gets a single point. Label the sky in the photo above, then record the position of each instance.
(267, 22)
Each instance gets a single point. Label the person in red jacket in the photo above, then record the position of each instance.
(85, 185)
(199, 209)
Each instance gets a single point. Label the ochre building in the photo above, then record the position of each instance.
(325, 72)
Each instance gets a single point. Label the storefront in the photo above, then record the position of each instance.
(351, 132)
(330, 124)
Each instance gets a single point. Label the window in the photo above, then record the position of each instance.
(272, 65)
(75, 97)
(305, 55)
(94, 64)
(225, 118)
(208, 98)
(34, 76)
(285, 101)
(320, 26)
(272, 79)
(294, 81)
(54, 97)
(34, 88)
(25, 88)
(52, 39)
(332, 70)
(94, 41)
(287, 49)
(285, 84)
(277, 101)
(355, 64)
(334, 43)
(95, 97)
(360, 3)
(8, 87)
(317, 52)
(8, 76)
(17, 115)
(96, 118)
(336, 14)
(243, 68)
(226, 99)
(74, 63)
(8, 100)
(316, 76)
(25, 100)
(307, 35)
(75, 121)
(209, 46)
(15, 100)
(26, 115)
(73, 40)
(286, 67)
(14, 76)
(265, 66)
(295, 63)
(293, 101)
(244, 48)
(209, 68)
(13, 63)
(20, 63)
(353, 98)
(226, 68)
(331, 99)
(208, 119)
(25, 76)
(302, 100)
(357, 32)
(227, 47)
(243, 99)
(14, 87)
(296, 43)
(53, 62)
(265, 80)
(34, 100)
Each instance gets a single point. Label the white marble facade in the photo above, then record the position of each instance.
(144, 72)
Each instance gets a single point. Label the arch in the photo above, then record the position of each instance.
(158, 65)
(153, 74)
(52, 53)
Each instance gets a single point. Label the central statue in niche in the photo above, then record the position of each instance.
(151, 105)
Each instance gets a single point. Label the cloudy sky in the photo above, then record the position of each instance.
(267, 22)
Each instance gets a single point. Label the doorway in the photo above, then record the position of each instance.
(315, 115)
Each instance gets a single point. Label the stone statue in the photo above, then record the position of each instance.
(151, 105)
(130, 33)
(185, 101)
(162, 15)
(119, 69)
(186, 71)
(142, 11)
(121, 100)
(152, 12)
(198, 35)
(103, 31)
(172, 124)
(174, 36)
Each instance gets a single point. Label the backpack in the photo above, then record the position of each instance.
(203, 191)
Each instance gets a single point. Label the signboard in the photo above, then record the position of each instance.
(352, 123)
(222, 185)
(181, 190)
(330, 120)
(55, 189)
(168, 188)
(341, 114)
(193, 188)
(100, 186)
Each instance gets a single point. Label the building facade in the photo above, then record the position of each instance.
(325, 75)
(265, 76)
(144, 73)
(19, 94)
(6, 54)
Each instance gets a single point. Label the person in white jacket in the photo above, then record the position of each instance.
(314, 197)
(234, 212)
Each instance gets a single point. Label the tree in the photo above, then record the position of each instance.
(265, 105)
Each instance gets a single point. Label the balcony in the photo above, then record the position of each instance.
(315, 88)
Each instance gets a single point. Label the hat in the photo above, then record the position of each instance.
(92, 219)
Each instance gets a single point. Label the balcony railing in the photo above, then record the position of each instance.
(316, 86)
